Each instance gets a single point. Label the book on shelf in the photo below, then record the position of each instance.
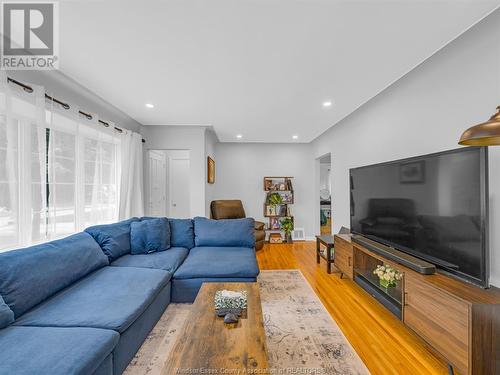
(274, 223)
(322, 251)
(270, 210)
(281, 210)
(277, 183)
(276, 210)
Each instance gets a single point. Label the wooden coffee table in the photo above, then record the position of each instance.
(206, 343)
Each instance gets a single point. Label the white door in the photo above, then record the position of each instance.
(179, 188)
(157, 183)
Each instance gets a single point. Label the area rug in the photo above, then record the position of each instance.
(302, 338)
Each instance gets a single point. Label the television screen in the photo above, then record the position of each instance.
(433, 207)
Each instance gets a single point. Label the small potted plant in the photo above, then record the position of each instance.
(275, 199)
(388, 277)
(287, 227)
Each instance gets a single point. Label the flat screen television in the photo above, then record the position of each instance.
(434, 207)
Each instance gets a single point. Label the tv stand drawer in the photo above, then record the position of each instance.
(441, 319)
(343, 258)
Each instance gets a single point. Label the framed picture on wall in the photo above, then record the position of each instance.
(210, 170)
(412, 173)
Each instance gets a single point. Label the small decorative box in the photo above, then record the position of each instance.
(227, 299)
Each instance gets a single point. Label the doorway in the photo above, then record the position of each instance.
(168, 183)
(325, 197)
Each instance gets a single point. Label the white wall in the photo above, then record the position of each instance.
(192, 138)
(211, 141)
(241, 168)
(424, 112)
(64, 88)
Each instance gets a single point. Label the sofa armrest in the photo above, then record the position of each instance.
(259, 225)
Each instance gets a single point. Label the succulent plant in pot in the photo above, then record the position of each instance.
(287, 227)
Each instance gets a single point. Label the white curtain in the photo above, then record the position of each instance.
(61, 172)
(82, 178)
(100, 181)
(131, 187)
(22, 115)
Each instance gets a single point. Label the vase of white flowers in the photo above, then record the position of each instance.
(388, 277)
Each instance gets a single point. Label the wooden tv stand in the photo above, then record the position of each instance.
(459, 321)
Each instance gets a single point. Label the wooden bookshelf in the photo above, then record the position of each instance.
(279, 196)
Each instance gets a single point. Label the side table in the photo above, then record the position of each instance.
(327, 241)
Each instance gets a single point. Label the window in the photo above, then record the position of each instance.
(9, 182)
(58, 173)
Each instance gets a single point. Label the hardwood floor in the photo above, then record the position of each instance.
(384, 344)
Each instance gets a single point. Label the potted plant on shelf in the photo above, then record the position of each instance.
(388, 277)
(275, 199)
(287, 227)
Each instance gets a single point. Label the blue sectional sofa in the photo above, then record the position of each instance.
(84, 304)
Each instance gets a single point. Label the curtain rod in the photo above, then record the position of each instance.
(29, 89)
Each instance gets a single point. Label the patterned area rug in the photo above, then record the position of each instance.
(302, 338)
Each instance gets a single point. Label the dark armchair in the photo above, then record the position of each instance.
(233, 209)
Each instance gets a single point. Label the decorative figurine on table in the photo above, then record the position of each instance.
(230, 304)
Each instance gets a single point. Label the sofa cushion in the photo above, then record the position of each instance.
(186, 290)
(149, 236)
(6, 314)
(135, 335)
(55, 351)
(168, 260)
(111, 298)
(114, 239)
(225, 232)
(210, 262)
(29, 276)
(181, 232)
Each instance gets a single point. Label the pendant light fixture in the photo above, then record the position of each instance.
(485, 134)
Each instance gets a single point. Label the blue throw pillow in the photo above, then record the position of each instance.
(149, 236)
(181, 232)
(225, 232)
(114, 239)
(6, 314)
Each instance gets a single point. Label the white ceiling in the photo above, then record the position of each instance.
(260, 68)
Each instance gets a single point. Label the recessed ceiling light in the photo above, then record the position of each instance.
(327, 104)
(295, 137)
(149, 105)
(239, 136)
